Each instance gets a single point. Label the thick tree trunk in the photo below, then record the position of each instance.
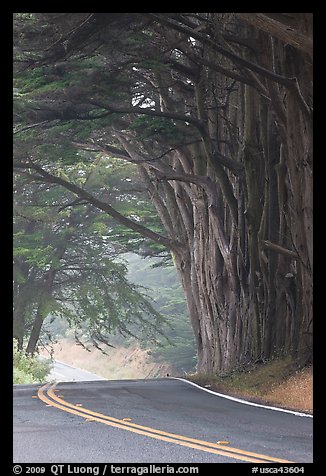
(247, 278)
(239, 198)
(235, 198)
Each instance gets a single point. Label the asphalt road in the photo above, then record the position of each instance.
(150, 421)
(62, 372)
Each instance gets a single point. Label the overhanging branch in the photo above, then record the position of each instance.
(279, 30)
(84, 195)
(242, 62)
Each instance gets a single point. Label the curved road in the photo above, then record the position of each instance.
(62, 372)
(150, 421)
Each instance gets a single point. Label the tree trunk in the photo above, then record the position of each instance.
(46, 293)
(235, 196)
(41, 312)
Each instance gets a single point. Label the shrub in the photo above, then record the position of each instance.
(28, 369)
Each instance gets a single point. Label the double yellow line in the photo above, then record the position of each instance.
(47, 395)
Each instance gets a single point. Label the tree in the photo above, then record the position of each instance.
(64, 265)
(215, 109)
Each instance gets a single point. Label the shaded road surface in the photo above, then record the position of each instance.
(150, 421)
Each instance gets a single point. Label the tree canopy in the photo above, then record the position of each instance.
(65, 265)
(214, 110)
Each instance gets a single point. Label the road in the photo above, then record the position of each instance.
(62, 372)
(150, 421)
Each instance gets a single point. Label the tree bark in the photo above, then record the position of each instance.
(281, 31)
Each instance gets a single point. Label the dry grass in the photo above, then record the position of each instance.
(276, 383)
(119, 363)
(296, 392)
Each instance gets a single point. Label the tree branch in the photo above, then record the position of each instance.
(242, 62)
(279, 249)
(84, 195)
(32, 126)
(279, 30)
(150, 112)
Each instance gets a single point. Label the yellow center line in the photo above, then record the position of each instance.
(152, 432)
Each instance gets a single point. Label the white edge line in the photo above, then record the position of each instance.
(245, 402)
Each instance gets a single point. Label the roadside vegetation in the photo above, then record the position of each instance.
(278, 382)
(27, 369)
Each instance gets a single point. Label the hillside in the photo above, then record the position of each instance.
(118, 363)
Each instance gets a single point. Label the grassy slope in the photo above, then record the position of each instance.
(119, 363)
(278, 383)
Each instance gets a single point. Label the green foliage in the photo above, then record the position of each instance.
(66, 99)
(45, 80)
(153, 64)
(28, 369)
(36, 255)
(31, 80)
(61, 152)
(154, 127)
(22, 377)
(90, 291)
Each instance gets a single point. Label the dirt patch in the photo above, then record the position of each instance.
(117, 363)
